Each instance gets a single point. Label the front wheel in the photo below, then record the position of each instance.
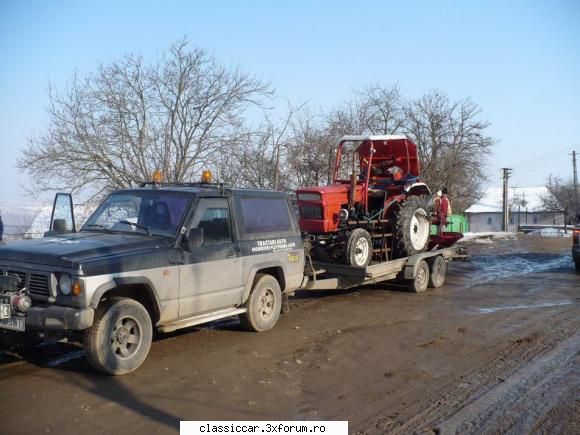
(120, 338)
(358, 248)
(263, 305)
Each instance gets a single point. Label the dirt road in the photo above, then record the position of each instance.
(497, 349)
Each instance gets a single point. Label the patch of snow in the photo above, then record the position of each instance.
(487, 237)
(551, 232)
(522, 307)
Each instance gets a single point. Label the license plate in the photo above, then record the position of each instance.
(5, 311)
(14, 323)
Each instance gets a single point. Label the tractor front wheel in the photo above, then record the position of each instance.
(359, 248)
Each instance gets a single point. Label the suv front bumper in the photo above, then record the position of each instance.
(59, 318)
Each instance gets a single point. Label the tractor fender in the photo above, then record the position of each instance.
(417, 189)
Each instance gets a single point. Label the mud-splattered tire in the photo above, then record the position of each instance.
(263, 305)
(437, 272)
(421, 281)
(120, 338)
(412, 226)
(359, 248)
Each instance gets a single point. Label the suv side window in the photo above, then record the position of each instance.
(265, 215)
(213, 215)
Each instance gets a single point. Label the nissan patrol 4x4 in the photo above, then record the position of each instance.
(163, 256)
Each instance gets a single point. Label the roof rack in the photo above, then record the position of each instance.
(219, 186)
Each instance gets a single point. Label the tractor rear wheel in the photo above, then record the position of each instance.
(359, 248)
(412, 227)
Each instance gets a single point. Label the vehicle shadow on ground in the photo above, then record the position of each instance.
(69, 357)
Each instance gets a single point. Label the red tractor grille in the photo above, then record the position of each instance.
(311, 212)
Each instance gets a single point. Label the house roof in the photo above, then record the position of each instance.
(525, 197)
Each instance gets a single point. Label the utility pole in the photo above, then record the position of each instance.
(505, 207)
(576, 209)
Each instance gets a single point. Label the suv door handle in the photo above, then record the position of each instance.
(232, 253)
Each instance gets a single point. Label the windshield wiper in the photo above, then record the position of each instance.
(136, 225)
(98, 226)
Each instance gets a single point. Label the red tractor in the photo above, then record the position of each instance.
(376, 207)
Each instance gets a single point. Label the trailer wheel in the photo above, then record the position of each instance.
(421, 281)
(358, 248)
(437, 272)
(264, 304)
(120, 338)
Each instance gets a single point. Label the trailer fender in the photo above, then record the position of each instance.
(411, 266)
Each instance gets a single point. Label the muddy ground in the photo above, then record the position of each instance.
(497, 349)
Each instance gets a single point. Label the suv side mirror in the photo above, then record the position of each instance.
(194, 239)
(59, 226)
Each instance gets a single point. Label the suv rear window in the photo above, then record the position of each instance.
(265, 215)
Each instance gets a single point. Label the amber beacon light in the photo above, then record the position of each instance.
(206, 176)
(157, 176)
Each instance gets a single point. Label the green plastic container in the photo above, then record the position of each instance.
(456, 223)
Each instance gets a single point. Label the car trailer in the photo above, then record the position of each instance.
(417, 272)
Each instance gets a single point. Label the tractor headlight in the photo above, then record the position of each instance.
(65, 284)
(343, 215)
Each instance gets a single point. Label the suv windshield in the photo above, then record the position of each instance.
(155, 213)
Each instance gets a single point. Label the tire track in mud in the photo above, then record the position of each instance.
(518, 404)
(467, 388)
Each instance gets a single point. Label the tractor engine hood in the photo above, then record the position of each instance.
(327, 195)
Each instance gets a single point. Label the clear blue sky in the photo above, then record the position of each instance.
(519, 60)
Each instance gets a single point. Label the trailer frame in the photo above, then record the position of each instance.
(332, 276)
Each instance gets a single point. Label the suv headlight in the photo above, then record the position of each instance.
(65, 284)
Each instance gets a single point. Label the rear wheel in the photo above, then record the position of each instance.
(263, 305)
(358, 248)
(120, 338)
(412, 227)
(421, 281)
(437, 271)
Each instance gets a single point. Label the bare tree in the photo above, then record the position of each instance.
(113, 128)
(260, 160)
(560, 198)
(453, 145)
(310, 156)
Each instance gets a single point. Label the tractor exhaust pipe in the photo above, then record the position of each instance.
(351, 196)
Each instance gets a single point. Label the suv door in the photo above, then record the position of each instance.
(211, 276)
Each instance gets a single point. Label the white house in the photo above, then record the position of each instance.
(525, 209)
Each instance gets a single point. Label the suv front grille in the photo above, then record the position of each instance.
(311, 212)
(36, 283)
